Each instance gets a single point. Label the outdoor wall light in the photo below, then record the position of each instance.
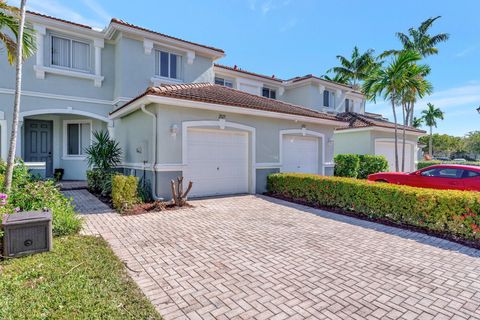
(221, 121)
(173, 130)
(304, 130)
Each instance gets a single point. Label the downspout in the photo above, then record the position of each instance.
(154, 151)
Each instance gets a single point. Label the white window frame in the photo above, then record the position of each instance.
(270, 90)
(89, 60)
(67, 156)
(158, 75)
(224, 81)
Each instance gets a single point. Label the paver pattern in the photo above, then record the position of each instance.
(85, 202)
(254, 257)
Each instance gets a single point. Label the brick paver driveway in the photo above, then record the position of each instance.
(256, 257)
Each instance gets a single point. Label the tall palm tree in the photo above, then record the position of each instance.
(336, 78)
(14, 20)
(430, 116)
(417, 122)
(390, 82)
(357, 68)
(9, 23)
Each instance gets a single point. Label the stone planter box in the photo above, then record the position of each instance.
(27, 233)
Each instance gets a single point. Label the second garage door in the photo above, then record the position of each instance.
(387, 149)
(217, 162)
(300, 154)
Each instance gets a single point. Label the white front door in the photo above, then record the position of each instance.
(387, 149)
(300, 154)
(217, 162)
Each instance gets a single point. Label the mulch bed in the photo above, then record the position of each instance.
(450, 237)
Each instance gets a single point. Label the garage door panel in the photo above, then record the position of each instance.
(387, 149)
(217, 162)
(300, 154)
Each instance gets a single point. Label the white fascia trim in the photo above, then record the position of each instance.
(222, 124)
(399, 141)
(70, 73)
(304, 132)
(237, 74)
(65, 27)
(382, 129)
(120, 99)
(326, 85)
(37, 94)
(163, 40)
(218, 107)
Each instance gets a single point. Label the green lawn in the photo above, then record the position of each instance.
(80, 279)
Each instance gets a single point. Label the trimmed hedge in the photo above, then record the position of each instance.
(124, 192)
(359, 165)
(447, 211)
(424, 164)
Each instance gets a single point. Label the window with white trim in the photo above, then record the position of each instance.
(269, 93)
(328, 99)
(167, 64)
(224, 82)
(349, 105)
(78, 137)
(70, 54)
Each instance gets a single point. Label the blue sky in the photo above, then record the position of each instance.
(290, 38)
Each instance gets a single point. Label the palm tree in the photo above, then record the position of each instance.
(14, 20)
(430, 115)
(419, 40)
(9, 20)
(390, 82)
(417, 122)
(358, 68)
(336, 78)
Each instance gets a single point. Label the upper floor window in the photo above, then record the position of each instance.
(328, 99)
(167, 64)
(223, 82)
(348, 105)
(71, 54)
(269, 93)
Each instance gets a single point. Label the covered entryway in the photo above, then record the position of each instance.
(300, 154)
(217, 161)
(387, 149)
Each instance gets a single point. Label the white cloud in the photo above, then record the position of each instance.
(467, 51)
(59, 10)
(266, 6)
(98, 9)
(291, 23)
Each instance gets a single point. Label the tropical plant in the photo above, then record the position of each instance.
(419, 40)
(13, 19)
(104, 153)
(9, 25)
(472, 140)
(431, 115)
(390, 83)
(336, 78)
(417, 122)
(357, 68)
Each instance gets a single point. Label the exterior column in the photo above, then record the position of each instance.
(98, 44)
(111, 130)
(18, 149)
(40, 42)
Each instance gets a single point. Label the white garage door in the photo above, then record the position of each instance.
(300, 154)
(387, 149)
(217, 162)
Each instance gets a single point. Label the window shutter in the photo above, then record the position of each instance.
(60, 52)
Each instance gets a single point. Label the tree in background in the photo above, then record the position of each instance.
(336, 78)
(390, 82)
(444, 145)
(417, 122)
(356, 69)
(13, 19)
(430, 116)
(472, 142)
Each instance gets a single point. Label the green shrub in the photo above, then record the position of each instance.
(370, 164)
(100, 181)
(39, 195)
(20, 174)
(347, 165)
(124, 192)
(424, 164)
(451, 212)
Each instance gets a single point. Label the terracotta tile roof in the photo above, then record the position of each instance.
(356, 120)
(58, 19)
(217, 94)
(235, 68)
(121, 22)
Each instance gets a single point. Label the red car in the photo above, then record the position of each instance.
(441, 176)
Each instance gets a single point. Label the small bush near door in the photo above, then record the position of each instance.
(449, 212)
(359, 166)
(347, 165)
(124, 192)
